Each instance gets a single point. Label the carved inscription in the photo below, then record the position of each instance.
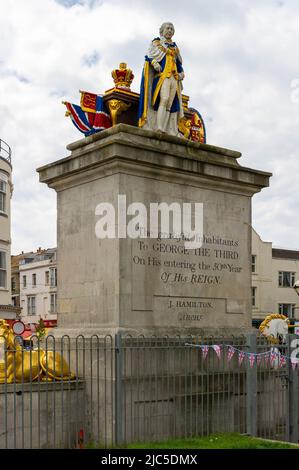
(190, 280)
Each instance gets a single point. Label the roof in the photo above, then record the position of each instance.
(285, 254)
(15, 259)
(5, 151)
(32, 257)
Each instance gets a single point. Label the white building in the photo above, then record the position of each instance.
(7, 310)
(38, 286)
(274, 272)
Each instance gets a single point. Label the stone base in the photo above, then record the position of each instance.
(152, 285)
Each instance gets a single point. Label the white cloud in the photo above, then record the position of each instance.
(239, 59)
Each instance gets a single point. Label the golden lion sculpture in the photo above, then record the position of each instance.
(19, 365)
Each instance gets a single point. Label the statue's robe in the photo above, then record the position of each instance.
(169, 58)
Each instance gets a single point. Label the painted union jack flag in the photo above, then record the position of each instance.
(89, 122)
(282, 361)
(251, 359)
(241, 357)
(273, 356)
(230, 353)
(205, 350)
(217, 350)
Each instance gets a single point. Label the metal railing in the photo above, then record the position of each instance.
(5, 151)
(126, 389)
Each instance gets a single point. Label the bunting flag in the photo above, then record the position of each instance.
(251, 359)
(267, 357)
(273, 356)
(259, 358)
(282, 361)
(205, 350)
(276, 359)
(241, 357)
(217, 350)
(230, 353)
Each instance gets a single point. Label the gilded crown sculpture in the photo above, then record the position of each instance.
(123, 77)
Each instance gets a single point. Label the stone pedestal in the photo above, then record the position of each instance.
(152, 286)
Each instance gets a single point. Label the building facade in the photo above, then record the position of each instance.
(274, 272)
(15, 275)
(7, 310)
(38, 287)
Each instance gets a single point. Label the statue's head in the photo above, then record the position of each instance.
(167, 30)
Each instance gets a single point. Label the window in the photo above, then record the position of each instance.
(253, 296)
(47, 278)
(287, 309)
(253, 263)
(53, 277)
(53, 304)
(2, 195)
(31, 305)
(24, 281)
(286, 279)
(33, 280)
(3, 269)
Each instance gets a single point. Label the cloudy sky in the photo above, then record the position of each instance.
(241, 65)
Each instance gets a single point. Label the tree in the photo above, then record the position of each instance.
(40, 330)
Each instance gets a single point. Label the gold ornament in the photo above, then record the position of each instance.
(185, 126)
(116, 107)
(18, 365)
(123, 76)
(185, 100)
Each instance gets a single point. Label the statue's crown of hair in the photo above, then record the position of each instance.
(163, 25)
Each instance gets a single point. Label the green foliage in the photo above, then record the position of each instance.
(215, 441)
(40, 330)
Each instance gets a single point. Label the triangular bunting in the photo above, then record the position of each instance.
(273, 356)
(259, 358)
(205, 350)
(277, 360)
(217, 350)
(251, 359)
(282, 361)
(241, 357)
(230, 353)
